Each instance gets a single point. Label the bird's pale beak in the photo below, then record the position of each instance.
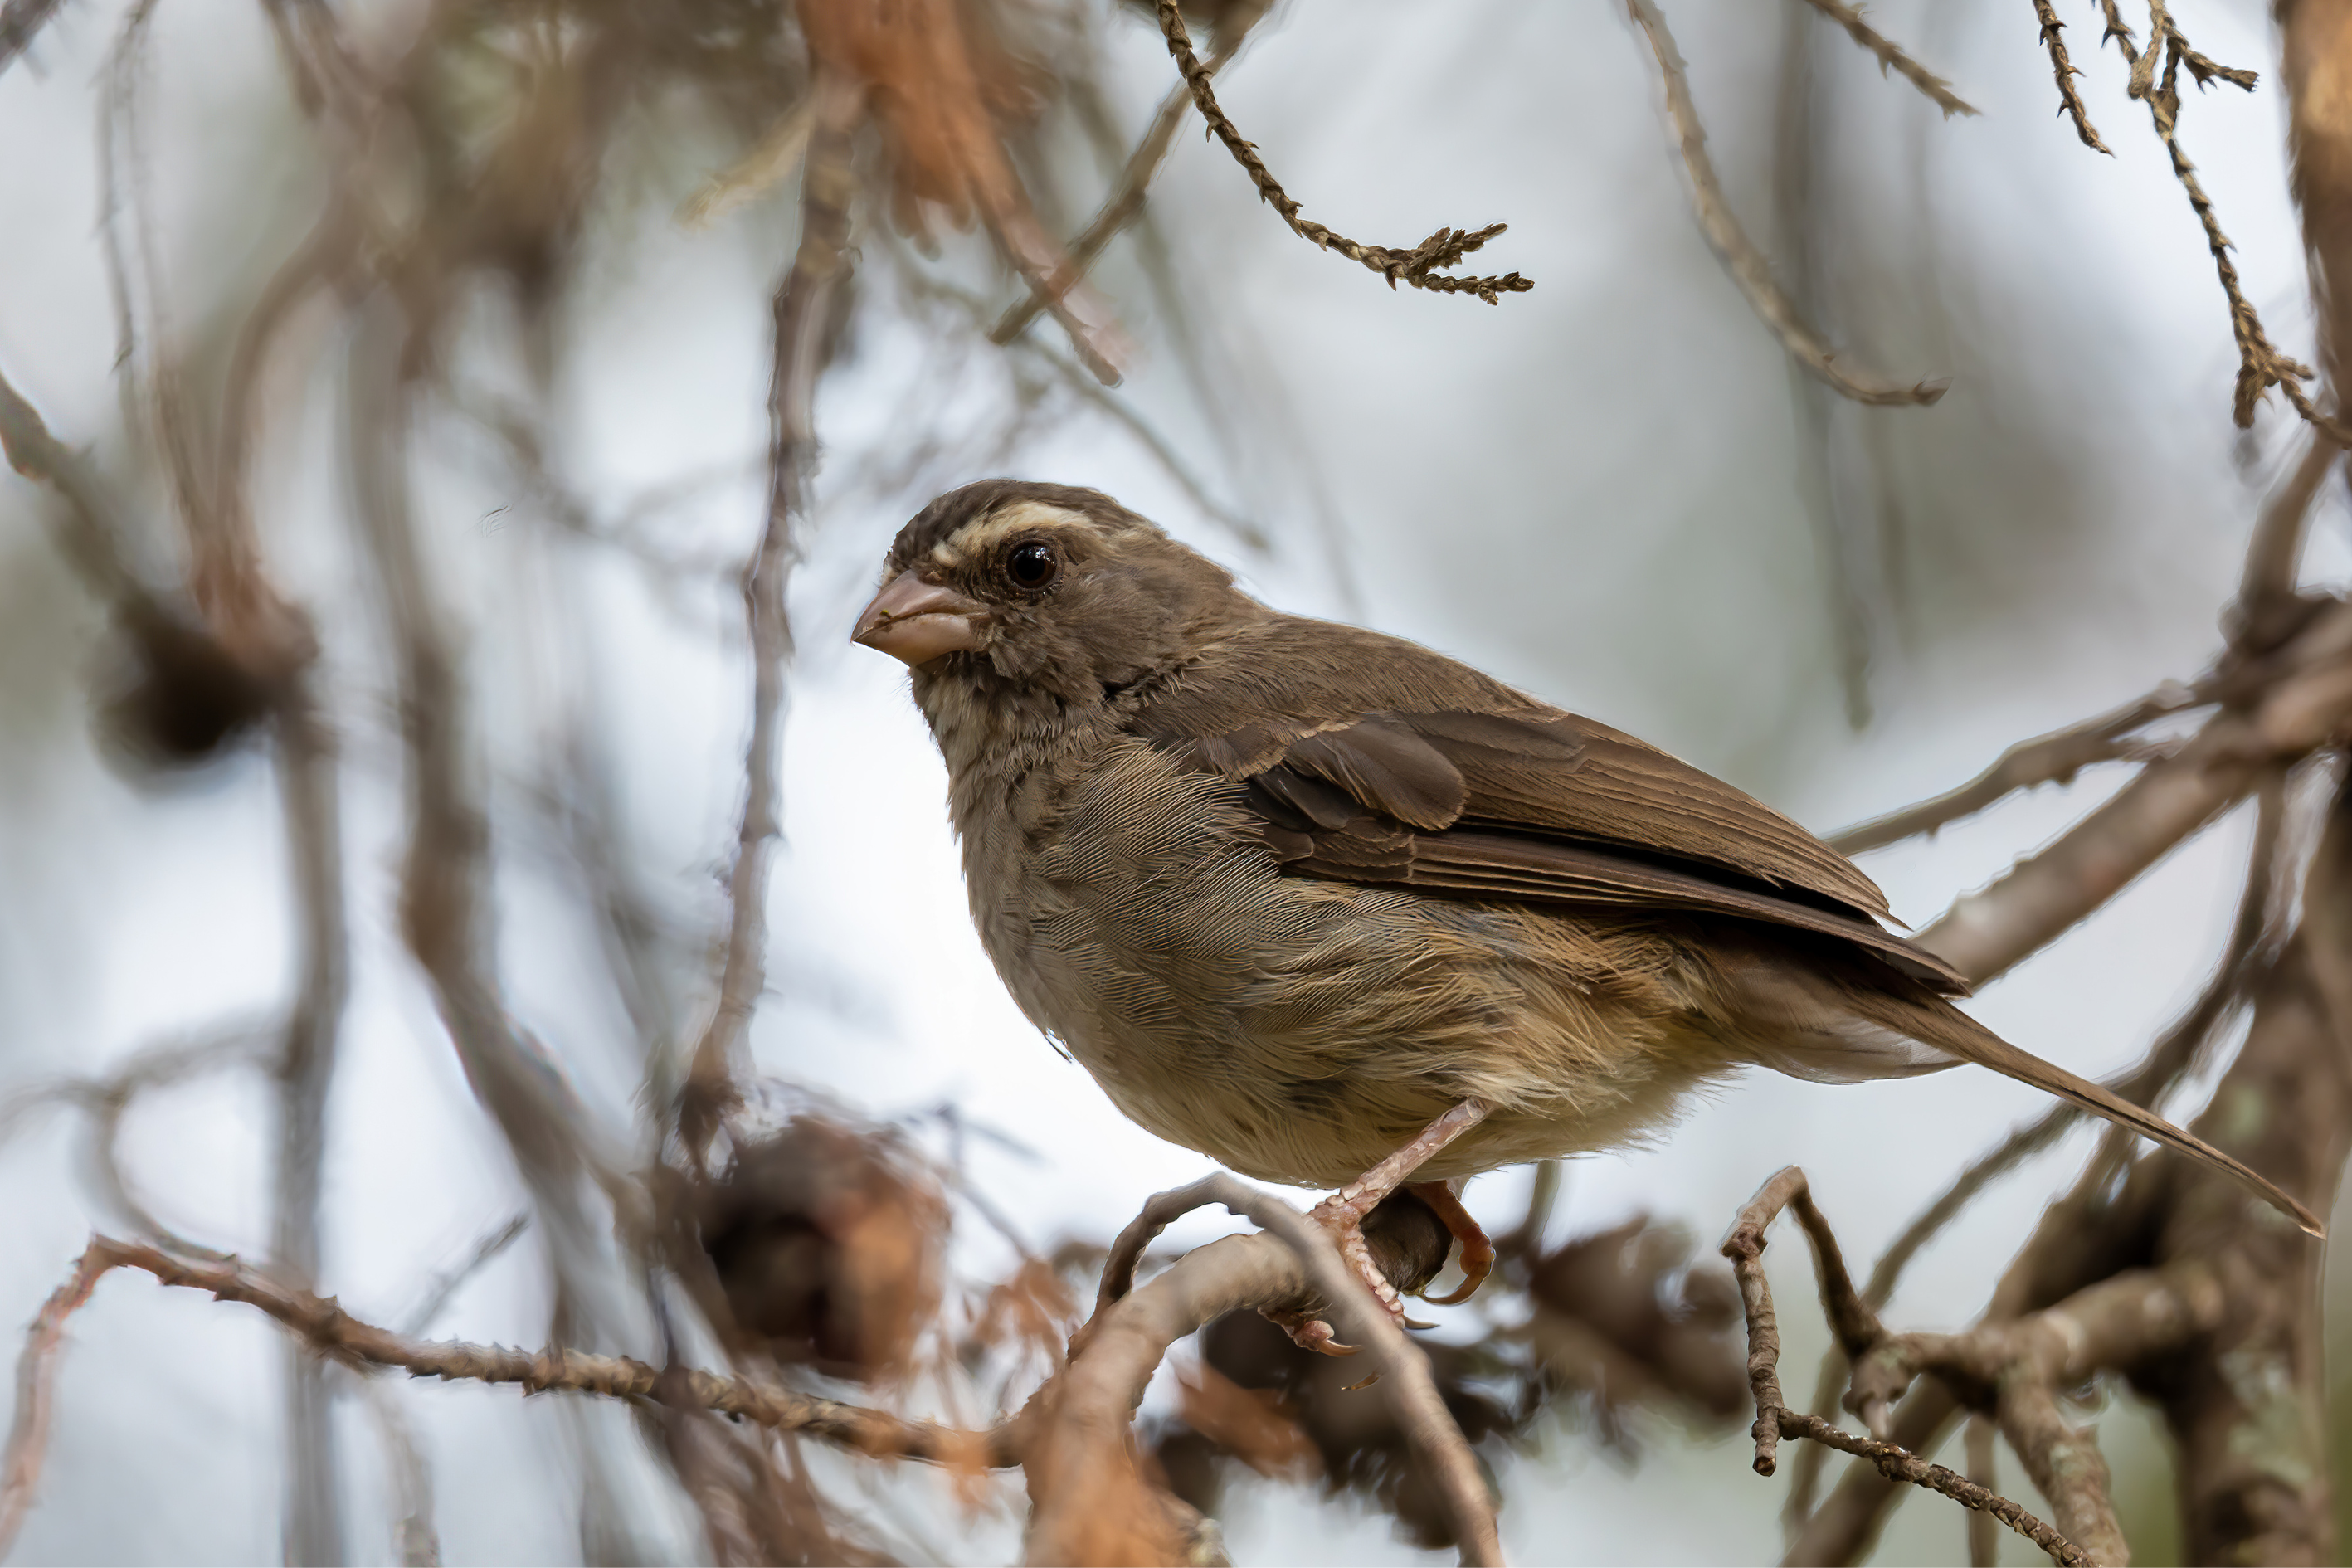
(916, 621)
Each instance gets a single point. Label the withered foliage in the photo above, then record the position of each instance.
(829, 1244)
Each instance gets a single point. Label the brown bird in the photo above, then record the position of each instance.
(1335, 910)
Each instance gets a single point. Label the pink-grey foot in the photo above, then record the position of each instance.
(1342, 1215)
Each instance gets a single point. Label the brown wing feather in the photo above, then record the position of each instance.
(1411, 732)
(1369, 759)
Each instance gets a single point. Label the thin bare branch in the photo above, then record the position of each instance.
(2298, 697)
(1419, 266)
(2261, 366)
(1125, 203)
(1891, 57)
(2274, 553)
(1984, 1545)
(1737, 253)
(803, 314)
(90, 538)
(444, 1287)
(2054, 758)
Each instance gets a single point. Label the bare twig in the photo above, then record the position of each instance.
(1737, 253)
(2055, 757)
(438, 1295)
(447, 917)
(2301, 699)
(803, 311)
(775, 156)
(1897, 1463)
(1891, 58)
(2070, 101)
(36, 1369)
(1984, 1546)
(1419, 267)
(93, 543)
(1859, 1329)
(306, 1070)
(2275, 551)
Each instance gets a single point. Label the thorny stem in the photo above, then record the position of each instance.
(1891, 58)
(332, 1333)
(29, 1435)
(1417, 266)
(2070, 101)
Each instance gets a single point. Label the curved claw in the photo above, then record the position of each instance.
(1477, 1252)
(1310, 1334)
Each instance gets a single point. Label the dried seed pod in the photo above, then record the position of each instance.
(175, 696)
(828, 1242)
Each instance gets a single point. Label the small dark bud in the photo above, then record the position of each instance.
(175, 697)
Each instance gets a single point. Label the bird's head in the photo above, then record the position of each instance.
(1047, 587)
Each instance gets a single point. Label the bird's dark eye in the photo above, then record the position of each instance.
(1033, 565)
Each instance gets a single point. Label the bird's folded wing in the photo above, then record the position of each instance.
(1390, 764)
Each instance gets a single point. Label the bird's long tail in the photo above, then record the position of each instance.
(1946, 1027)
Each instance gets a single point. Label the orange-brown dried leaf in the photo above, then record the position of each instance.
(1032, 1309)
(930, 96)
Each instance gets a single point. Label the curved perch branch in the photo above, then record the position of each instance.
(1080, 1446)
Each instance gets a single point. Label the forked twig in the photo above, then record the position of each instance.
(1419, 267)
(1738, 254)
(2054, 758)
(2261, 366)
(1858, 1328)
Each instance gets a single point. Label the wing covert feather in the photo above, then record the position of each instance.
(1372, 759)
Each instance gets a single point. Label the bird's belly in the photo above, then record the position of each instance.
(1299, 1030)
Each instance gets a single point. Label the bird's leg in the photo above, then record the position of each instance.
(1477, 1252)
(1342, 1214)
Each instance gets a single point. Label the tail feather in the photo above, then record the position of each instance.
(1941, 1025)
